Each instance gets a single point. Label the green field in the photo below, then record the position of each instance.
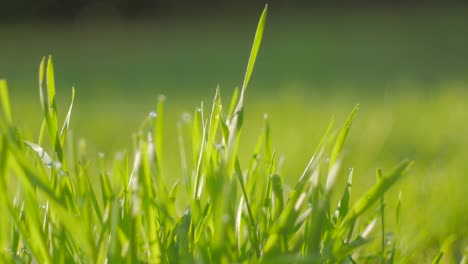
(407, 70)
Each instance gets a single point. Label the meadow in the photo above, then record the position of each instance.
(413, 106)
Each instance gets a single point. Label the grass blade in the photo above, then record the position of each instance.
(341, 138)
(255, 48)
(66, 123)
(5, 101)
(237, 119)
(376, 191)
(438, 258)
(343, 205)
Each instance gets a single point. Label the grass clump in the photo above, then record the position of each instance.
(57, 207)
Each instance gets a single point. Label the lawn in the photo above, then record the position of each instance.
(408, 73)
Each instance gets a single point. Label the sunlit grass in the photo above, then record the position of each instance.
(64, 206)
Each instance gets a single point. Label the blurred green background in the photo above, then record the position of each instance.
(407, 66)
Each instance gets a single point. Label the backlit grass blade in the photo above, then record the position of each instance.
(159, 132)
(341, 138)
(66, 123)
(237, 119)
(198, 145)
(42, 131)
(343, 205)
(438, 258)
(232, 106)
(252, 171)
(379, 175)
(92, 196)
(5, 101)
(255, 49)
(31, 227)
(374, 193)
(318, 150)
(50, 78)
(398, 213)
(49, 105)
(394, 251)
(106, 189)
(32, 235)
(42, 94)
(5, 238)
(213, 126)
(278, 199)
(349, 248)
(158, 145)
(183, 156)
(199, 171)
(197, 133)
(246, 196)
(298, 196)
(29, 175)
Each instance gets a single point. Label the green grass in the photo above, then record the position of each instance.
(231, 196)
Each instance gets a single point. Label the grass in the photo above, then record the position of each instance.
(133, 206)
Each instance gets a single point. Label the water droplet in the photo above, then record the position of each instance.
(186, 117)
(119, 156)
(152, 114)
(58, 165)
(219, 146)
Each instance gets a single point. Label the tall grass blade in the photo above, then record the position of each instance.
(343, 205)
(232, 105)
(50, 78)
(5, 101)
(374, 193)
(255, 49)
(237, 119)
(66, 123)
(341, 138)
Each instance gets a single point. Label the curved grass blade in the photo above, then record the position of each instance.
(159, 131)
(45, 158)
(50, 78)
(341, 138)
(232, 105)
(438, 258)
(236, 122)
(255, 48)
(66, 123)
(343, 205)
(5, 100)
(49, 105)
(371, 196)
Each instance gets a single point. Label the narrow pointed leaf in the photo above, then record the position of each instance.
(341, 138)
